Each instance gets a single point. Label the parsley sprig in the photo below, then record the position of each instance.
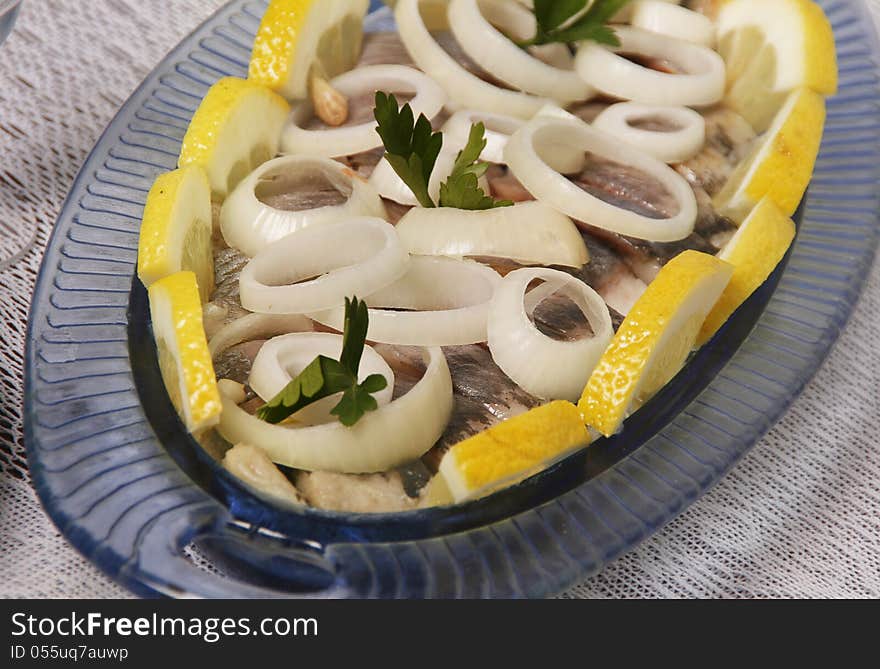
(324, 377)
(412, 148)
(566, 21)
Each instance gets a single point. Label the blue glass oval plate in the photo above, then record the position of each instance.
(129, 488)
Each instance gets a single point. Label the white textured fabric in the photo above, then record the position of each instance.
(799, 517)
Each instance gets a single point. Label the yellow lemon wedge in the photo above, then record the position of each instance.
(176, 229)
(781, 163)
(511, 451)
(297, 38)
(755, 250)
(236, 128)
(772, 48)
(654, 340)
(184, 359)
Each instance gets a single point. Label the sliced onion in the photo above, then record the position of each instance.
(542, 366)
(499, 128)
(561, 156)
(530, 233)
(673, 21)
(249, 225)
(612, 74)
(556, 191)
(390, 436)
(355, 257)
(256, 326)
(625, 14)
(389, 185)
(473, 22)
(464, 88)
(282, 358)
(346, 141)
(670, 146)
(448, 301)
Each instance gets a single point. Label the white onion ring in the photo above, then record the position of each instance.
(673, 20)
(389, 185)
(625, 14)
(499, 128)
(449, 300)
(282, 358)
(354, 257)
(614, 75)
(673, 146)
(540, 365)
(345, 141)
(256, 326)
(392, 435)
(558, 192)
(530, 233)
(464, 89)
(250, 226)
(473, 24)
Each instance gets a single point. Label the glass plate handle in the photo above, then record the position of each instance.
(250, 564)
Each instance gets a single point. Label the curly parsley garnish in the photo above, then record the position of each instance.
(324, 377)
(412, 147)
(566, 21)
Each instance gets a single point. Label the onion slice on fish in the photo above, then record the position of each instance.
(355, 257)
(282, 358)
(524, 157)
(677, 145)
(543, 366)
(473, 23)
(702, 83)
(447, 302)
(530, 233)
(456, 132)
(392, 435)
(256, 326)
(499, 128)
(389, 185)
(673, 21)
(464, 88)
(249, 225)
(350, 140)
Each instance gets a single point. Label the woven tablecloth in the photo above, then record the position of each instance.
(798, 517)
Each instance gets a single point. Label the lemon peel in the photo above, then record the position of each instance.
(654, 340)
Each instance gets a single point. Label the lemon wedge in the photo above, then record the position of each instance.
(176, 230)
(512, 450)
(236, 128)
(654, 340)
(781, 163)
(772, 48)
(297, 38)
(755, 250)
(184, 359)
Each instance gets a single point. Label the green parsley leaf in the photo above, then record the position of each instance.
(411, 149)
(550, 14)
(566, 21)
(412, 152)
(462, 189)
(321, 378)
(324, 377)
(355, 403)
(354, 336)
